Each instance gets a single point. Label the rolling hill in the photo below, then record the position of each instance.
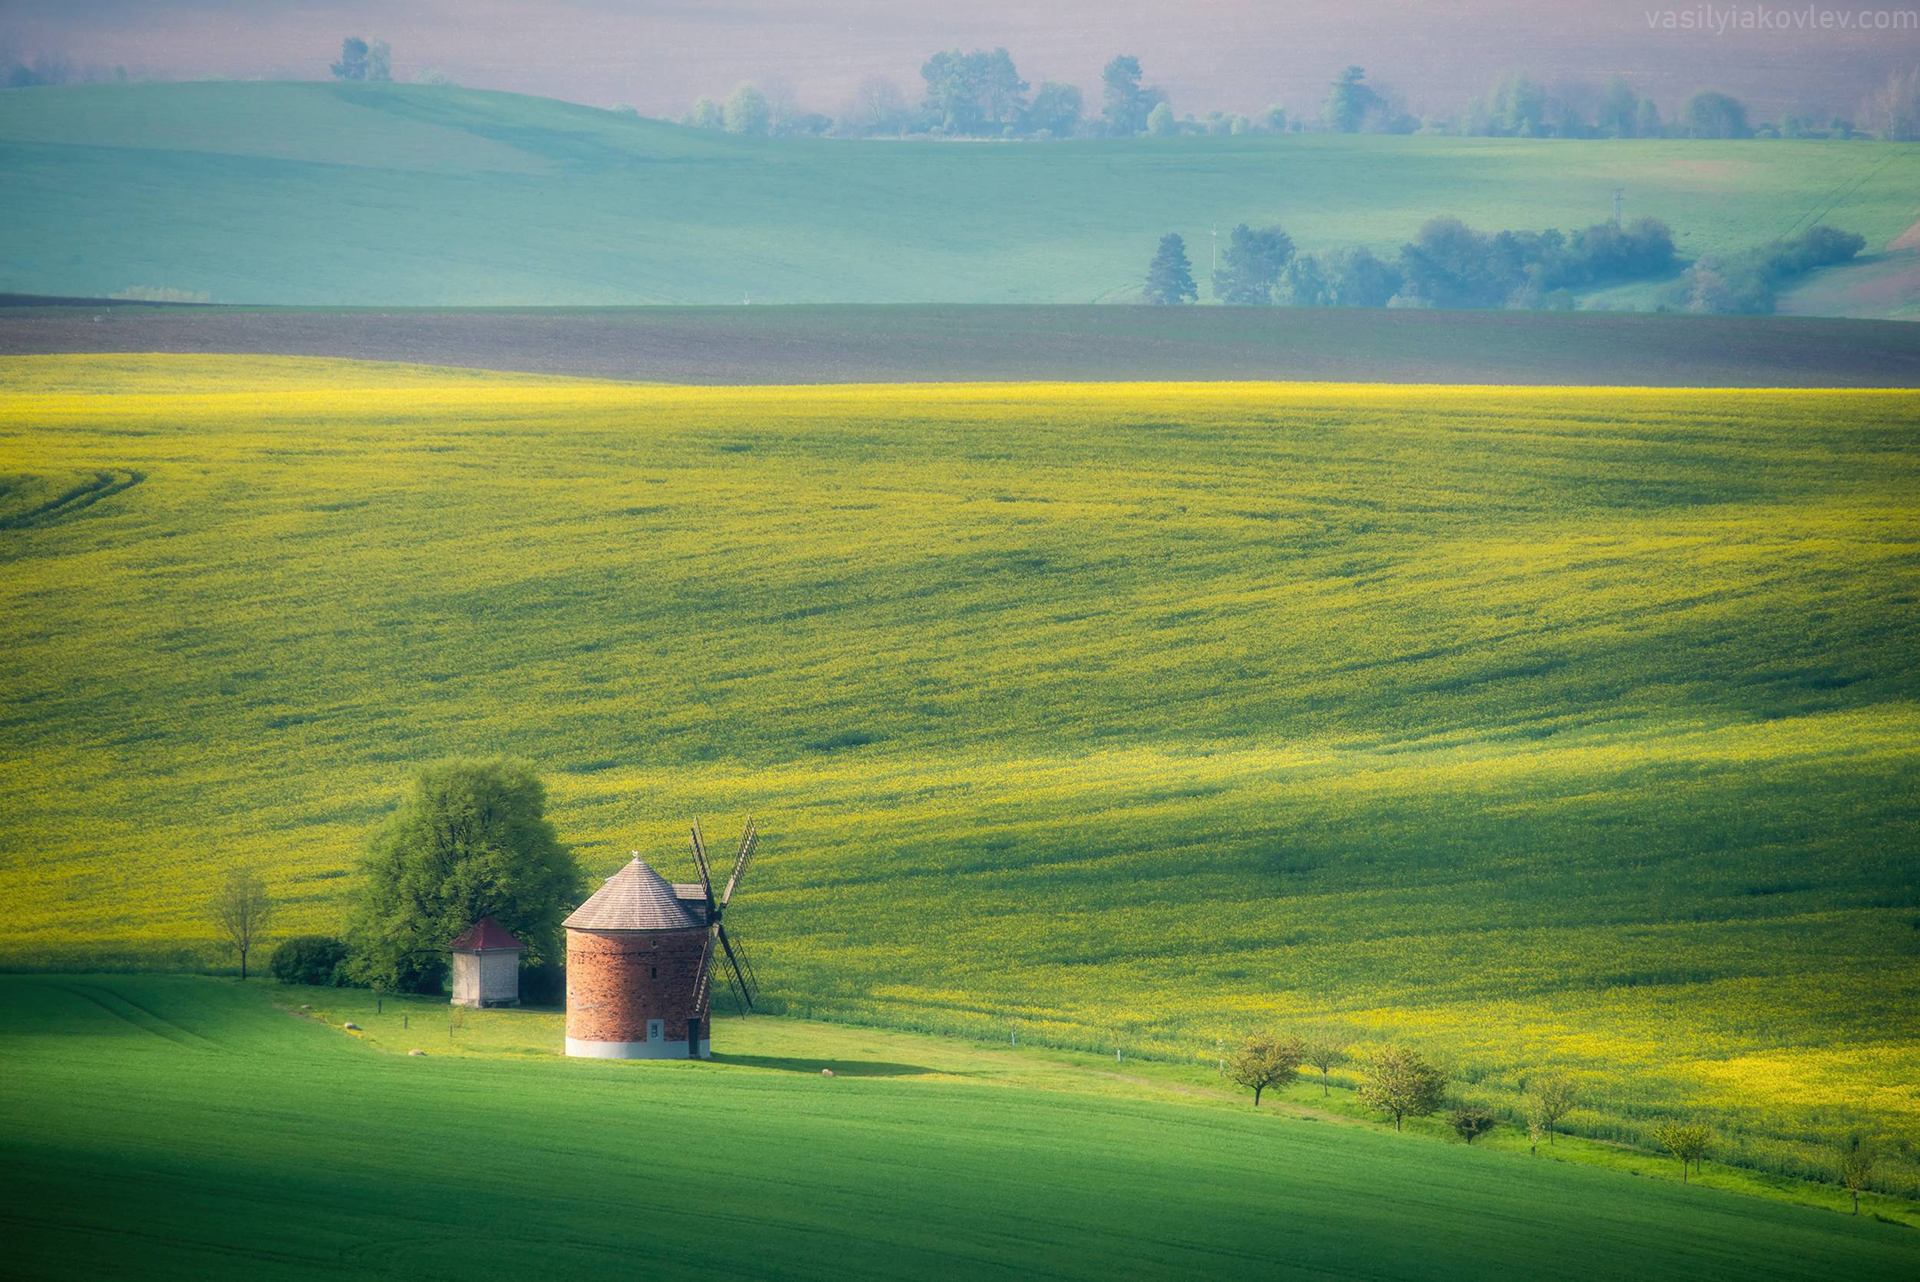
(1536, 726)
(300, 193)
(192, 1126)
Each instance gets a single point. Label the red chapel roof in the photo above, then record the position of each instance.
(485, 936)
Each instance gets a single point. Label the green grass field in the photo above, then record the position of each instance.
(194, 1128)
(1538, 727)
(408, 195)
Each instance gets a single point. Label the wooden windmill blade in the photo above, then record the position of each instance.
(746, 962)
(748, 840)
(735, 975)
(700, 860)
(703, 978)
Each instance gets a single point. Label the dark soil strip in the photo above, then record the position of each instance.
(824, 344)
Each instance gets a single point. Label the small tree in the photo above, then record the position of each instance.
(1325, 1054)
(1551, 1096)
(1170, 275)
(380, 62)
(1160, 122)
(1893, 111)
(242, 907)
(353, 60)
(1647, 123)
(705, 114)
(1470, 1122)
(1263, 1060)
(1534, 1131)
(1687, 1141)
(747, 112)
(1856, 1169)
(1398, 1081)
(1712, 114)
(1349, 101)
(1055, 109)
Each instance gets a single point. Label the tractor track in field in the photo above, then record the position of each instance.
(102, 483)
(165, 1029)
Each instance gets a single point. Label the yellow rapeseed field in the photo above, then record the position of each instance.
(1566, 728)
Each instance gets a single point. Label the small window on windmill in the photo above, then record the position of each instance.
(654, 1027)
(653, 972)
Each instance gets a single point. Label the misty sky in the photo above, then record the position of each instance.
(1238, 55)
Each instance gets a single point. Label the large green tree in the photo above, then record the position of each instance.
(471, 841)
(1125, 103)
(1252, 265)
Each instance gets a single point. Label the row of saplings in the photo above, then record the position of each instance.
(1401, 1083)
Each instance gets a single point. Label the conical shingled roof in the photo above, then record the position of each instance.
(635, 898)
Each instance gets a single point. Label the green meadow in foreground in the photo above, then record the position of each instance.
(1538, 728)
(188, 1127)
(410, 195)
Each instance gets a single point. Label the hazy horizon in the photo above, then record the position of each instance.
(1234, 55)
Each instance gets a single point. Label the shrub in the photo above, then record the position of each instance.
(310, 959)
(1470, 1122)
(1748, 282)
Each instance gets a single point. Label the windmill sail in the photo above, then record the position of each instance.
(748, 840)
(734, 964)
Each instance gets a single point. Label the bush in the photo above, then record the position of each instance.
(1747, 283)
(310, 959)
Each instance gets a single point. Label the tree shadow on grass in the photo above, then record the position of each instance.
(840, 1067)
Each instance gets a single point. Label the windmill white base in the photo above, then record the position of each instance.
(661, 1049)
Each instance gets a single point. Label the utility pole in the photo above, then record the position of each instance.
(1616, 206)
(1213, 263)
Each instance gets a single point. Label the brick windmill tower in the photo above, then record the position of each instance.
(640, 956)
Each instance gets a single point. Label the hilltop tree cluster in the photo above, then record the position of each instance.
(362, 61)
(1451, 265)
(1447, 265)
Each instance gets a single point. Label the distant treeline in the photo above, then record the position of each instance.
(980, 94)
(1449, 264)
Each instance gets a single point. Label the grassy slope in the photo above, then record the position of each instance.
(312, 193)
(192, 1128)
(1539, 726)
(398, 1022)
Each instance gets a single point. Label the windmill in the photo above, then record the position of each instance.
(738, 969)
